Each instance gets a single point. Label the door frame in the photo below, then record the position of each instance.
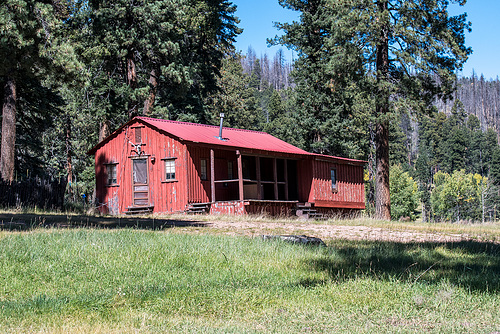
(147, 184)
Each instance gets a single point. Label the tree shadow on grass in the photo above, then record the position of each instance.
(30, 221)
(469, 264)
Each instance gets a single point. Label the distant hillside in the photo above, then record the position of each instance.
(479, 97)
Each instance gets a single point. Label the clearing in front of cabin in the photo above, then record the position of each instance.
(197, 276)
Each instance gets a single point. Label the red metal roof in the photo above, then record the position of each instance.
(234, 138)
(331, 157)
(207, 134)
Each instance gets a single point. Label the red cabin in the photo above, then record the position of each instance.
(154, 165)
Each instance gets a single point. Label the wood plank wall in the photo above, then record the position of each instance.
(165, 196)
(350, 191)
(198, 190)
(313, 176)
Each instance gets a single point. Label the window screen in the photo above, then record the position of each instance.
(203, 169)
(140, 171)
(333, 176)
(229, 170)
(138, 135)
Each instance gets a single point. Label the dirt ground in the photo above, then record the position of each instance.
(328, 231)
(207, 224)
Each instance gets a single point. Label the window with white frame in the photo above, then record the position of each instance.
(111, 174)
(203, 169)
(169, 169)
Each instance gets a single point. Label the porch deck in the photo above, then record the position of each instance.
(253, 206)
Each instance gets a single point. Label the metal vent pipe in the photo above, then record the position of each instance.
(220, 128)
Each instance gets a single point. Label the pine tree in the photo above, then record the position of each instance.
(404, 52)
(398, 151)
(329, 102)
(235, 98)
(495, 166)
(455, 148)
(477, 151)
(158, 58)
(255, 76)
(282, 118)
(488, 146)
(32, 49)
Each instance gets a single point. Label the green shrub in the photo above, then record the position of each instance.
(457, 196)
(404, 194)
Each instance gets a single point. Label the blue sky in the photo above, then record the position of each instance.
(257, 17)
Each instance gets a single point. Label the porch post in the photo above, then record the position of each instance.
(259, 184)
(275, 172)
(285, 171)
(240, 175)
(212, 174)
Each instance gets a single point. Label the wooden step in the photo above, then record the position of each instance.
(136, 210)
(317, 216)
(200, 205)
(201, 210)
(307, 211)
(197, 208)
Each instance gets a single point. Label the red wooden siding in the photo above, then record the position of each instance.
(168, 196)
(198, 189)
(111, 198)
(350, 191)
(228, 208)
(272, 208)
(165, 196)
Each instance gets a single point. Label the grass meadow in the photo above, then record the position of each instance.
(128, 280)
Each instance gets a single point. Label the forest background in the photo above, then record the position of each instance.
(74, 71)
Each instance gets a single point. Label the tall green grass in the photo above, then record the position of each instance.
(128, 280)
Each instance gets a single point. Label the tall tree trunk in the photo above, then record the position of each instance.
(132, 83)
(69, 165)
(371, 169)
(382, 192)
(105, 130)
(153, 88)
(8, 129)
